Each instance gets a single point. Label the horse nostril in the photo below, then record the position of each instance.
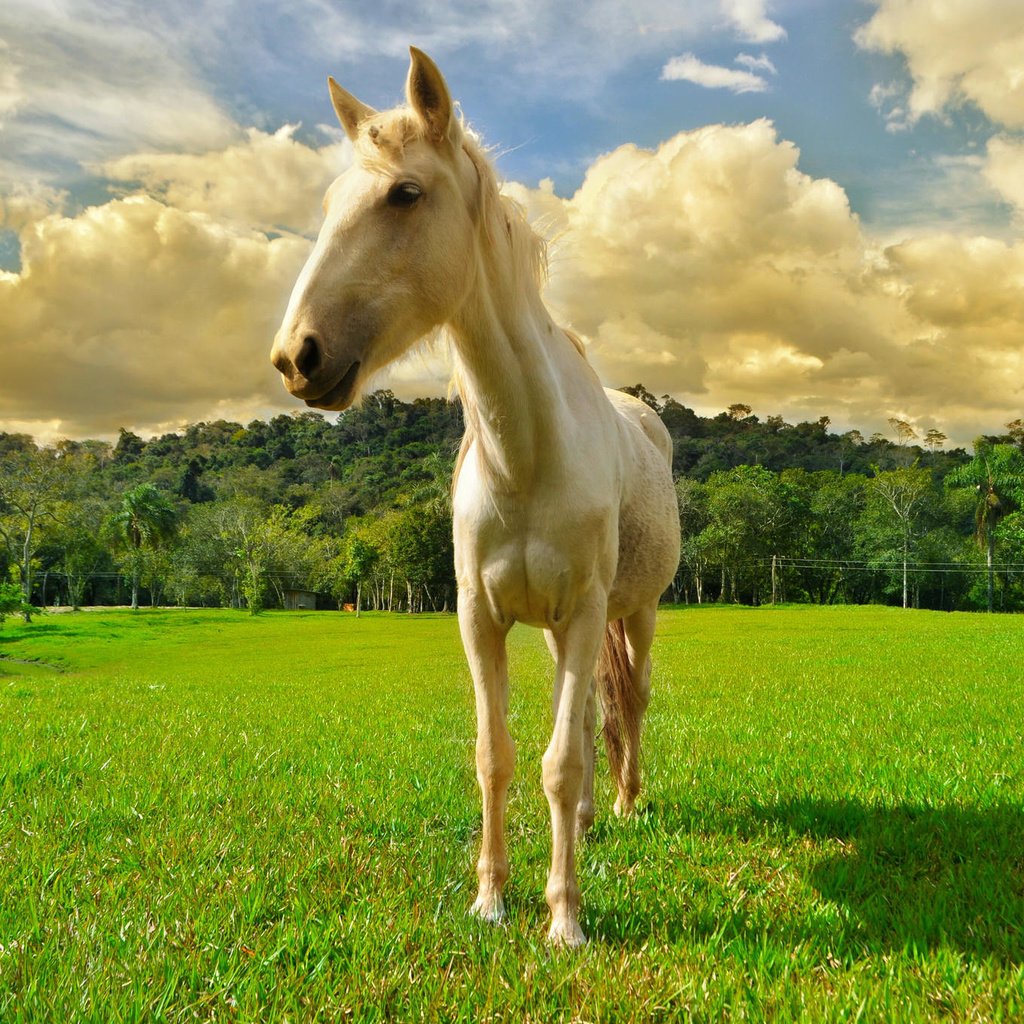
(280, 361)
(307, 362)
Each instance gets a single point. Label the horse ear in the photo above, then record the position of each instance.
(350, 111)
(428, 95)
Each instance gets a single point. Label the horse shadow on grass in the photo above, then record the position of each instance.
(902, 877)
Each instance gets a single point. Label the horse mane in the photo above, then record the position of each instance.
(511, 240)
(506, 235)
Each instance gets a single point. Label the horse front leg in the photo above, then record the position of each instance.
(585, 808)
(484, 643)
(566, 761)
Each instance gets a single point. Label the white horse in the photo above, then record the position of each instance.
(564, 511)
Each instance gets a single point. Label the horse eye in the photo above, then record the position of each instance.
(405, 194)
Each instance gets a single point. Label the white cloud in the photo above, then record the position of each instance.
(268, 181)
(146, 313)
(140, 314)
(88, 81)
(752, 63)
(10, 90)
(956, 51)
(84, 84)
(544, 45)
(889, 99)
(688, 68)
(712, 269)
(751, 20)
(1004, 170)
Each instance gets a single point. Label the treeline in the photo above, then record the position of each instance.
(358, 512)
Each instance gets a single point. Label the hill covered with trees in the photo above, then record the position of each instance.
(358, 512)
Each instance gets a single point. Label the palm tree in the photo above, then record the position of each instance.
(435, 492)
(145, 519)
(997, 475)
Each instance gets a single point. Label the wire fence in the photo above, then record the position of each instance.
(780, 562)
(867, 565)
(777, 575)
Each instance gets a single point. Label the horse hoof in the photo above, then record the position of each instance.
(489, 908)
(583, 823)
(566, 933)
(624, 807)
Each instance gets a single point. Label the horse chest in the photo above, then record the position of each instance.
(533, 566)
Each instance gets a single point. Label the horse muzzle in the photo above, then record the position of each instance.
(308, 373)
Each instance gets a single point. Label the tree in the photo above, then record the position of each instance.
(360, 557)
(129, 446)
(82, 551)
(897, 498)
(903, 430)
(145, 520)
(905, 433)
(996, 473)
(849, 443)
(32, 484)
(691, 500)
(832, 503)
(639, 391)
(750, 515)
(243, 529)
(12, 602)
(1010, 536)
(244, 552)
(1015, 431)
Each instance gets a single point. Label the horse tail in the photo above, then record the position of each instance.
(615, 683)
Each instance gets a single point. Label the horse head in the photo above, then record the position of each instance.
(396, 253)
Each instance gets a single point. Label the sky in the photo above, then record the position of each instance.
(811, 207)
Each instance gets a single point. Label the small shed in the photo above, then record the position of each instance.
(296, 600)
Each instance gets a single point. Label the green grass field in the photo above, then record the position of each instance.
(206, 816)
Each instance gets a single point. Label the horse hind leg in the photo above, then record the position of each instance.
(625, 682)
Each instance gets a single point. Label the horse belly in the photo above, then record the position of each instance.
(649, 538)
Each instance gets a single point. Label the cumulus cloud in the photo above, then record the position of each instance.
(710, 268)
(267, 181)
(714, 269)
(956, 51)
(135, 314)
(152, 310)
(28, 202)
(1004, 170)
(688, 68)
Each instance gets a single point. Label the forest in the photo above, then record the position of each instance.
(357, 512)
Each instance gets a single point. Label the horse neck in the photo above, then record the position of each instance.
(509, 377)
